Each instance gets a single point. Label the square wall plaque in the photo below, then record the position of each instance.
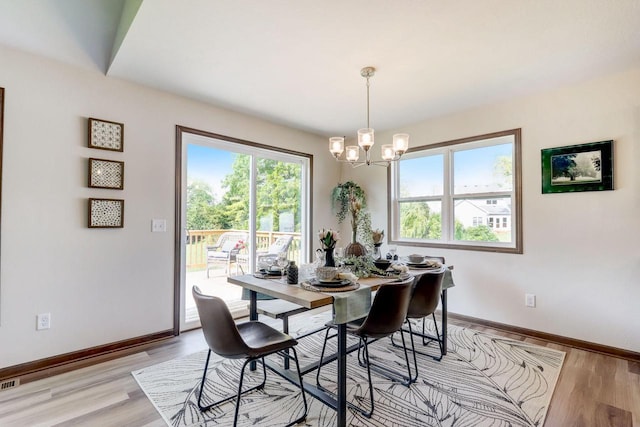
(106, 213)
(106, 135)
(106, 174)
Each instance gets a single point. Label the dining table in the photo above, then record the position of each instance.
(347, 306)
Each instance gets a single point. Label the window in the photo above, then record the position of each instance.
(441, 193)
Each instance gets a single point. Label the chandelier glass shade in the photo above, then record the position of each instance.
(366, 139)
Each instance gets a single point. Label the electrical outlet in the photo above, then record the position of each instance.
(158, 225)
(530, 300)
(43, 321)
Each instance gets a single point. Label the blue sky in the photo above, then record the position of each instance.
(423, 176)
(208, 164)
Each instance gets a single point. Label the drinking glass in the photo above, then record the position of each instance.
(282, 263)
(340, 256)
(392, 251)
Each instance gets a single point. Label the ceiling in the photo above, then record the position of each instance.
(297, 62)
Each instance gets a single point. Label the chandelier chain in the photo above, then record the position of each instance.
(368, 102)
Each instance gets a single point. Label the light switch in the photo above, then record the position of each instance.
(158, 225)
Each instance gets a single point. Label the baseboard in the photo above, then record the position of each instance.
(43, 368)
(557, 339)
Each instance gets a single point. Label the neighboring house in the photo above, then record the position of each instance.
(494, 213)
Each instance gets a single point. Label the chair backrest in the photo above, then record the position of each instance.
(228, 240)
(281, 244)
(388, 310)
(426, 294)
(218, 327)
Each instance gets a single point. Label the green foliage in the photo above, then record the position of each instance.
(503, 169)
(340, 198)
(480, 233)
(418, 222)
(200, 206)
(350, 198)
(277, 191)
(361, 266)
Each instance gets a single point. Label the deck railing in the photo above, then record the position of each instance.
(198, 240)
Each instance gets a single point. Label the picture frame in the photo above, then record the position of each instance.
(105, 173)
(106, 135)
(106, 213)
(575, 168)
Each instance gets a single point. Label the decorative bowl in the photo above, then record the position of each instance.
(326, 273)
(416, 259)
(382, 264)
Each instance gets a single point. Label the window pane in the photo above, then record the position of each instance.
(483, 170)
(422, 176)
(420, 220)
(483, 220)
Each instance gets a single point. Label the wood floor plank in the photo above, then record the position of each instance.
(607, 415)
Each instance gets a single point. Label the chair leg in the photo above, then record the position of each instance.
(439, 338)
(425, 339)
(324, 346)
(415, 360)
(204, 375)
(304, 397)
(388, 372)
(367, 362)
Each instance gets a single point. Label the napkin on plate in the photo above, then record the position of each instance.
(347, 275)
(400, 268)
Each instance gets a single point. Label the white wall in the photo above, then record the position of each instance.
(100, 286)
(581, 253)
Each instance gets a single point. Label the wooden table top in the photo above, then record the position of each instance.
(295, 294)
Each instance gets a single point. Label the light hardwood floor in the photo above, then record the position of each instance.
(593, 389)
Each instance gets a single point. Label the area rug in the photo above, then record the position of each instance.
(483, 380)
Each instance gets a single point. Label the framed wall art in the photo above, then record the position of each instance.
(583, 167)
(106, 213)
(106, 174)
(106, 135)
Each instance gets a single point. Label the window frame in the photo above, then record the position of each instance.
(448, 197)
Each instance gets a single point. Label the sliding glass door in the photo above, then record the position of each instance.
(240, 204)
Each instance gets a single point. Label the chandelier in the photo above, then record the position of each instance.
(389, 152)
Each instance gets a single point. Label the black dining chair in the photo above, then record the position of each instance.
(251, 341)
(423, 303)
(386, 316)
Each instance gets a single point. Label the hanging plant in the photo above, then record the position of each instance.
(349, 199)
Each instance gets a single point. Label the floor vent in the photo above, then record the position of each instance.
(9, 384)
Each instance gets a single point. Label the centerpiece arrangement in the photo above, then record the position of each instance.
(328, 240)
(349, 199)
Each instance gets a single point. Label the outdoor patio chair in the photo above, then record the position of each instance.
(225, 251)
(281, 244)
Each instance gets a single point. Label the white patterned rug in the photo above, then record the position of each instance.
(484, 380)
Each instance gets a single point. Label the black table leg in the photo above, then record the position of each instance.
(253, 315)
(443, 320)
(342, 375)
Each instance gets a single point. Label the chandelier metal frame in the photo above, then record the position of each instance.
(389, 152)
